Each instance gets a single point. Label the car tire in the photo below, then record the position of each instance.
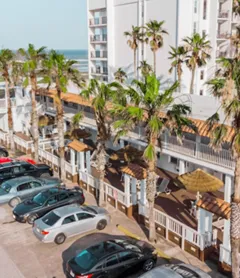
(59, 239)
(148, 265)
(45, 175)
(31, 218)
(14, 202)
(101, 224)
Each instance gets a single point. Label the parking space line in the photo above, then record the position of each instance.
(128, 233)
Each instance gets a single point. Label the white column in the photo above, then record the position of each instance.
(127, 188)
(201, 221)
(43, 132)
(82, 161)
(143, 198)
(228, 189)
(181, 167)
(134, 191)
(72, 157)
(208, 221)
(64, 126)
(198, 141)
(88, 160)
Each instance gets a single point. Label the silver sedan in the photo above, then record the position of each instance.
(69, 221)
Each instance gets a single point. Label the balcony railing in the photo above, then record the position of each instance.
(98, 21)
(98, 38)
(223, 14)
(221, 35)
(222, 54)
(99, 70)
(99, 54)
(3, 103)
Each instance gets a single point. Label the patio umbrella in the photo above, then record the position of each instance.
(128, 154)
(200, 181)
(77, 133)
(45, 120)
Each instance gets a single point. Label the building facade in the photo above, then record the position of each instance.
(109, 19)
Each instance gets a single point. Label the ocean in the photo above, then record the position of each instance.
(80, 55)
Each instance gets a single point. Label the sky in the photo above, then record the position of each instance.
(58, 24)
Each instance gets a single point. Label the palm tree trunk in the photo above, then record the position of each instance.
(192, 79)
(60, 126)
(154, 61)
(135, 62)
(101, 163)
(235, 222)
(179, 77)
(35, 133)
(10, 119)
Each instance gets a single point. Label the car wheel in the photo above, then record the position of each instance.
(148, 265)
(31, 218)
(45, 175)
(13, 202)
(59, 239)
(101, 225)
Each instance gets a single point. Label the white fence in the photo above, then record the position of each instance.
(225, 255)
(108, 189)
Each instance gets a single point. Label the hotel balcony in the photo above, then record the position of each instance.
(223, 14)
(223, 36)
(220, 54)
(99, 54)
(98, 39)
(99, 71)
(98, 21)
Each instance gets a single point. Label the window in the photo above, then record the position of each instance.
(35, 184)
(50, 219)
(126, 256)
(6, 187)
(52, 200)
(27, 167)
(202, 75)
(23, 92)
(112, 261)
(173, 160)
(204, 33)
(62, 196)
(205, 9)
(195, 6)
(83, 216)
(12, 93)
(201, 92)
(24, 186)
(6, 172)
(16, 170)
(50, 100)
(2, 94)
(68, 220)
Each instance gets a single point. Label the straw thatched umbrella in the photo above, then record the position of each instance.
(128, 154)
(77, 133)
(45, 120)
(199, 181)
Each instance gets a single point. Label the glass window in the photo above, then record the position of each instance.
(40, 199)
(12, 93)
(27, 167)
(173, 160)
(50, 219)
(62, 196)
(83, 215)
(202, 75)
(195, 27)
(195, 6)
(24, 186)
(6, 187)
(112, 261)
(52, 200)
(205, 9)
(85, 260)
(16, 170)
(69, 219)
(2, 94)
(126, 256)
(6, 172)
(35, 184)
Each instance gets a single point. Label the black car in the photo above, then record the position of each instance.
(112, 258)
(16, 169)
(3, 152)
(45, 201)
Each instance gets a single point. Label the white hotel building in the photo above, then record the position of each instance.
(109, 19)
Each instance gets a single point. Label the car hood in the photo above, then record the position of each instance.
(25, 207)
(3, 192)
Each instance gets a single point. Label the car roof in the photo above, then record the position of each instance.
(19, 180)
(13, 163)
(161, 272)
(66, 210)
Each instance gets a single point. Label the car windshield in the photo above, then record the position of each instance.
(50, 219)
(40, 198)
(88, 209)
(85, 260)
(6, 187)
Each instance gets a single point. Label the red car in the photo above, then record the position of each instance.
(5, 160)
(29, 160)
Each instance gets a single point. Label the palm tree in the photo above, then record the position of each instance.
(235, 40)
(135, 36)
(236, 7)
(226, 86)
(58, 72)
(155, 32)
(6, 61)
(178, 55)
(145, 68)
(32, 66)
(100, 94)
(72, 133)
(145, 105)
(198, 53)
(120, 75)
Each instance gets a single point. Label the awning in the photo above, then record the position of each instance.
(79, 146)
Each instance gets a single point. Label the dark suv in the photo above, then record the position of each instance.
(16, 169)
